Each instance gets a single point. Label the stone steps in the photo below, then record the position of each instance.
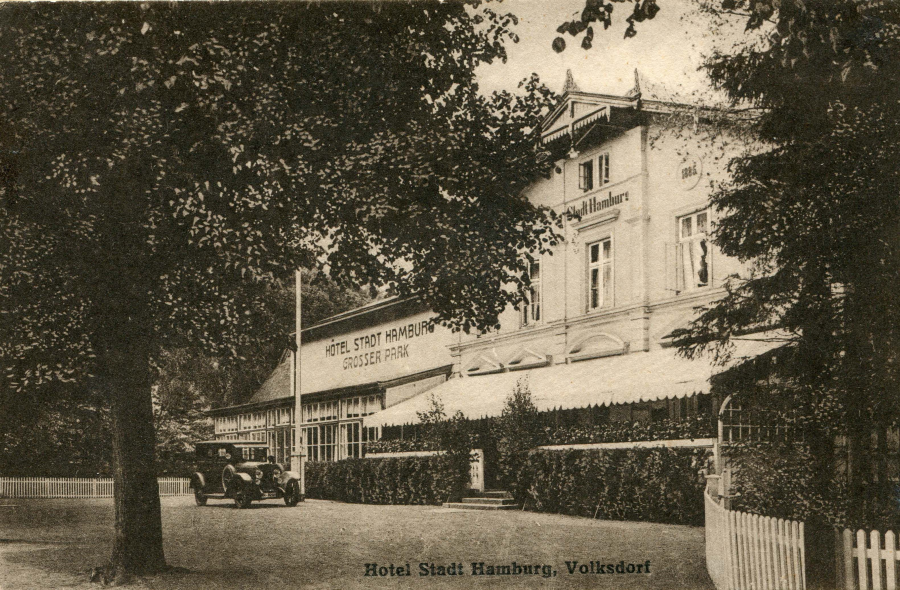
(492, 501)
(467, 506)
(490, 494)
(487, 500)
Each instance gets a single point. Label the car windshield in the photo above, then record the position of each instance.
(206, 451)
(254, 453)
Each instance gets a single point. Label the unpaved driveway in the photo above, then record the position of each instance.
(319, 544)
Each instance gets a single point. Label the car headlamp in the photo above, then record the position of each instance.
(258, 474)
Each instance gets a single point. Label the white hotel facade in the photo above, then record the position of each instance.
(596, 332)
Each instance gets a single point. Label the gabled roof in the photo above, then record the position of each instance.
(277, 386)
(580, 110)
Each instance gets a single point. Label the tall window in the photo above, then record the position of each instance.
(531, 314)
(586, 175)
(693, 251)
(310, 439)
(603, 169)
(351, 440)
(321, 442)
(600, 275)
(342, 435)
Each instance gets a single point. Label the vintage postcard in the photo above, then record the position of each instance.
(435, 294)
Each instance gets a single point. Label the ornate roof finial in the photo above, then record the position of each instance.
(637, 83)
(570, 85)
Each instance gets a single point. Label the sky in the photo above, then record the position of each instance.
(667, 50)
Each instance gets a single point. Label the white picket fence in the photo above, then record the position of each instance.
(750, 552)
(80, 487)
(870, 560)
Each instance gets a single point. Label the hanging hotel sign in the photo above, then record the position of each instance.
(597, 202)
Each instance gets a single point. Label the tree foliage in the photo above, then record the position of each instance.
(163, 164)
(597, 12)
(815, 212)
(66, 438)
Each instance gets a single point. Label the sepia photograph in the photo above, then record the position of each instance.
(450, 294)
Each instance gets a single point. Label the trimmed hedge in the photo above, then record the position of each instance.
(402, 480)
(688, 428)
(651, 485)
(399, 445)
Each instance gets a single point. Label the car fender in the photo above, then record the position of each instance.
(288, 476)
(198, 482)
(241, 480)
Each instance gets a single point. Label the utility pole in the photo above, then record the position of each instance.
(297, 450)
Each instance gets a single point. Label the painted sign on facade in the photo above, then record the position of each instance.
(689, 172)
(385, 351)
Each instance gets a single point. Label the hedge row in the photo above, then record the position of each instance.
(655, 485)
(406, 480)
(399, 445)
(688, 428)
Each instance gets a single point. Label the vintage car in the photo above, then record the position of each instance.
(241, 471)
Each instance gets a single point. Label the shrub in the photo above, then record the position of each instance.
(453, 437)
(517, 431)
(780, 480)
(406, 480)
(655, 485)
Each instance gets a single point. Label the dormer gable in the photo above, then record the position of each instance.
(579, 113)
(526, 358)
(483, 364)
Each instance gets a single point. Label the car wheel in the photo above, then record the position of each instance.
(199, 497)
(242, 499)
(227, 476)
(292, 493)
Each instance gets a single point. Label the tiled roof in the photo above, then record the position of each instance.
(277, 386)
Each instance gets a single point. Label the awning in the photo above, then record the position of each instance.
(628, 378)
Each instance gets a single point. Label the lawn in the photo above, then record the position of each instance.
(319, 544)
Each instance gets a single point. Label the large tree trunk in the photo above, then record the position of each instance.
(868, 383)
(138, 540)
(123, 340)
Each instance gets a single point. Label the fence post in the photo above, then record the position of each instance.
(713, 485)
(725, 489)
(839, 573)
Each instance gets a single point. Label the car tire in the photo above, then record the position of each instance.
(292, 493)
(242, 499)
(199, 497)
(227, 476)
